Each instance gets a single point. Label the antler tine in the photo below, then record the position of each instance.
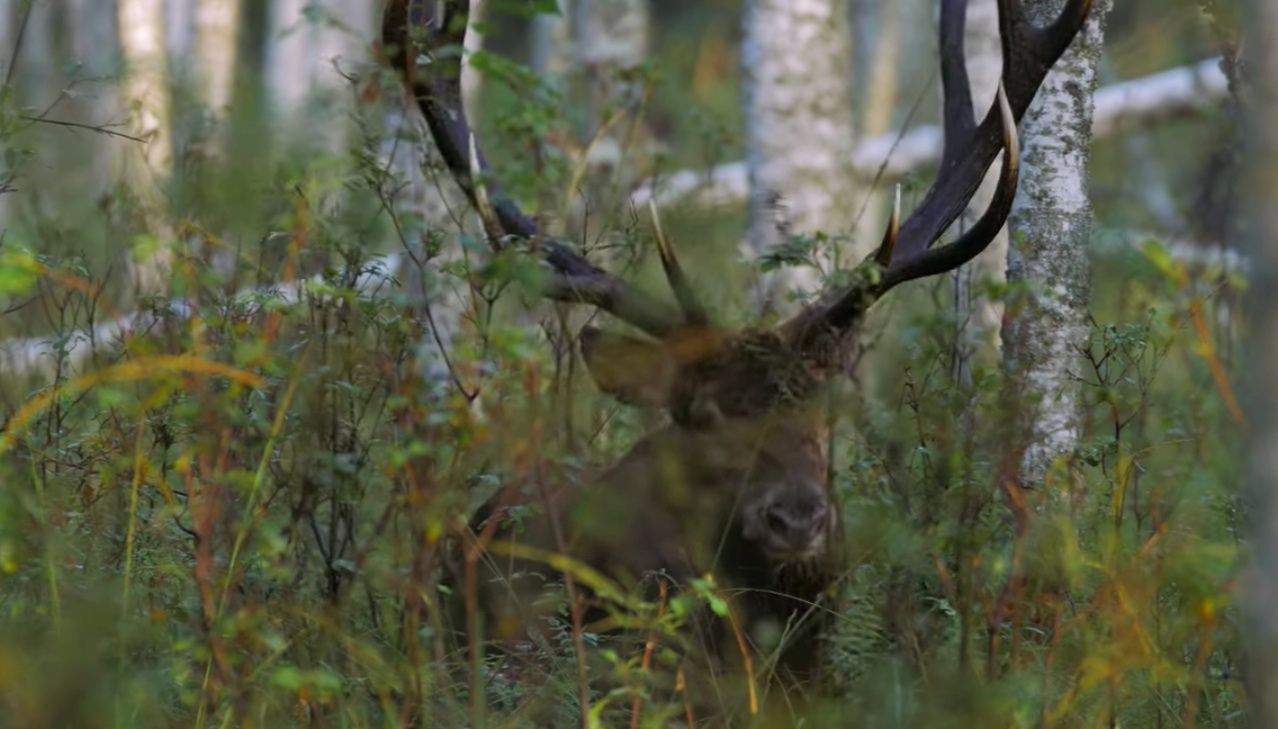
(952, 255)
(884, 255)
(693, 311)
(1029, 52)
(975, 239)
(436, 86)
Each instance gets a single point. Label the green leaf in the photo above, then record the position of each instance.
(288, 677)
(1162, 259)
(17, 272)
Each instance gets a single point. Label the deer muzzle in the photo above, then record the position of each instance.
(790, 525)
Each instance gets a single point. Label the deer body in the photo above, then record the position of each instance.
(737, 486)
(744, 499)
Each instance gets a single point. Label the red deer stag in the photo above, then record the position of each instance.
(736, 486)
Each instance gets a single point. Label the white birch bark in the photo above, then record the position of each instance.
(882, 81)
(429, 201)
(980, 318)
(1051, 226)
(143, 45)
(145, 90)
(591, 41)
(302, 83)
(94, 45)
(471, 80)
(599, 36)
(1260, 96)
(610, 35)
(217, 25)
(1138, 103)
(797, 62)
(877, 35)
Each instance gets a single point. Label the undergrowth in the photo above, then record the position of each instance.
(244, 508)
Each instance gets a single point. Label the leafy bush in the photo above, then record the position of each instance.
(243, 508)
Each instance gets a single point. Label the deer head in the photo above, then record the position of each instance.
(737, 398)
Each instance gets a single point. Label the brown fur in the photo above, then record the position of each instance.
(681, 505)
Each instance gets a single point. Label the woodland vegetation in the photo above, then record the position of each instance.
(265, 369)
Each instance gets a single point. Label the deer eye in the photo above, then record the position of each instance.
(702, 413)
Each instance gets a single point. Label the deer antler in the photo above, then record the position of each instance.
(436, 30)
(1029, 52)
(907, 252)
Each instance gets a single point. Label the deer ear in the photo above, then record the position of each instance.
(635, 371)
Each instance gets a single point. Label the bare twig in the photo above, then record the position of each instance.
(97, 128)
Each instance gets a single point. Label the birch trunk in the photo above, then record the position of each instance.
(93, 41)
(881, 85)
(471, 80)
(1143, 102)
(877, 35)
(611, 35)
(586, 46)
(428, 201)
(979, 318)
(1260, 96)
(1051, 224)
(797, 59)
(217, 25)
(307, 38)
(145, 89)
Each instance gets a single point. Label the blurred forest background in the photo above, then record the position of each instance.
(257, 361)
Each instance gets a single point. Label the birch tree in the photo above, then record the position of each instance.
(980, 318)
(1051, 226)
(146, 81)
(877, 38)
(797, 62)
(145, 90)
(94, 46)
(308, 37)
(217, 24)
(882, 31)
(1260, 72)
(587, 45)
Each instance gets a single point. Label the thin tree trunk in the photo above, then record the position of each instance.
(300, 72)
(146, 84)
(882, 82)
(94, 43)
(1260, 97)
(427, 203)
(145, 90)
(877, 32)
(586, 46)
(596, 36)
(1051, 225)
(1166, 95)
(980, 318)
(797, 63)
(610, 36)
(217, 25)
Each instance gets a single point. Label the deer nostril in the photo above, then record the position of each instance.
(819, 512)
(778, 521)
(796, 519)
